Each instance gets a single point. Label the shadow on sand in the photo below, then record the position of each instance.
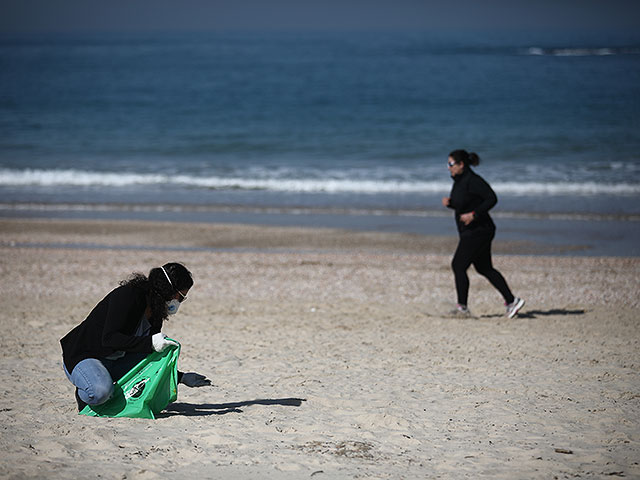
(546, 313)
(529, 314)
(197, 410)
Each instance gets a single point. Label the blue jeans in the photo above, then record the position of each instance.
(94, 378)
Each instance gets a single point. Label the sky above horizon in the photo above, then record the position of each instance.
(43, 16)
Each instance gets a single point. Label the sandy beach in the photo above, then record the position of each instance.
(331, 357)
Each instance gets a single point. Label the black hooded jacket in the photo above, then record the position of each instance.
(110, 327)
(471, 193)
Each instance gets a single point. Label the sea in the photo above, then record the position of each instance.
(330, 129)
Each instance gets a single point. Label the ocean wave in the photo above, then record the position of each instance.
(77, 178)
(565, 188)
(580, 52)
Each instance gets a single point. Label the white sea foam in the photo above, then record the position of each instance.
(580, 52)
(78, 178)
(566, 188)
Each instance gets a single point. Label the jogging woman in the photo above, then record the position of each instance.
(122, 329)
(471, 197)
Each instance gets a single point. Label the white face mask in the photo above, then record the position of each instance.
(173, 306)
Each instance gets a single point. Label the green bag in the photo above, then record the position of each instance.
(145, 390)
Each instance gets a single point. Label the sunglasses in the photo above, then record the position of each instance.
(451, 164)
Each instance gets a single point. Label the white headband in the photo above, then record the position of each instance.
(166, 275)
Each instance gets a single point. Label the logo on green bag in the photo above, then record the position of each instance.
(137, 389)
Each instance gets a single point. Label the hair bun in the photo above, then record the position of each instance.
(474, 159)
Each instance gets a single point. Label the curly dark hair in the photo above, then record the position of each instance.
(159, 289)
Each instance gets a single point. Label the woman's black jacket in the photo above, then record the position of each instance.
(110, 327)
(471, 193)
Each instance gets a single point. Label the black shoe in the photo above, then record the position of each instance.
(80, 403)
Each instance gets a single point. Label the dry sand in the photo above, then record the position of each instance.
(331, 357)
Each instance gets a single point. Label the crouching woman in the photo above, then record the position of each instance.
(122, 329)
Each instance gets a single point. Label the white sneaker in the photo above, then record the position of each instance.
(461, 311)
(514, 307)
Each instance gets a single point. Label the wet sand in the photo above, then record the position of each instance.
(332, 356)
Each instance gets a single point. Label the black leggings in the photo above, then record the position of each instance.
(476, 249)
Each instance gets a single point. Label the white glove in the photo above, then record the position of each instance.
(193, 379)
(160, 342)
